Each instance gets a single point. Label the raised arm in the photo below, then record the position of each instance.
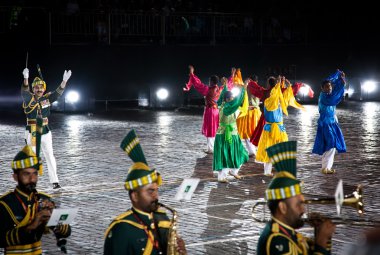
(196, 82)
(230, 82)
(338, 81)
(255, 89)
(25, 93)
(53, 96)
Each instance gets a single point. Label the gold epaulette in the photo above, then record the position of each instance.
(164, 224)
(45, 194)
(119, 219)
(159, 210)
(123, 215)
(275, 227)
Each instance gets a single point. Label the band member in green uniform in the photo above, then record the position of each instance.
(37, 104)
(144, 228)
(286, 203)
(25, 212)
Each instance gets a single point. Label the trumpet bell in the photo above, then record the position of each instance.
(354, 200)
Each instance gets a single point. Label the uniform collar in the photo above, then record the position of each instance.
(287, 227)
(147, 215)
(23, 194)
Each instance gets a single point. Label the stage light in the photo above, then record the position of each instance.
(350, 91)
(235, 91)
(162, 94)
(369, 86)
(72, 97)
(304, 90)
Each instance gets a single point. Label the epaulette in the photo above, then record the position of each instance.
(44, 194)
(123, 215)
(6, 194)
(159, 210)
(275, 227)
(121, 219)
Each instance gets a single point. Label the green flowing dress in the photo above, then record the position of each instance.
(229, 151)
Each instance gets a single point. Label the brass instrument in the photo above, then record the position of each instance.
(354, 200)
(172, 235)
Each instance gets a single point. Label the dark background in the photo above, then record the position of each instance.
(336, 35)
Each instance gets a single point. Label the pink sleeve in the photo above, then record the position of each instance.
(230, 83)
(198, 85)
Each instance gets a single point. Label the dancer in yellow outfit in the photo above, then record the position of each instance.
(274, 130)
(248, 123)
(249, 114)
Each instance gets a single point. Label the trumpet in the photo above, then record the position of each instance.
(354, 200)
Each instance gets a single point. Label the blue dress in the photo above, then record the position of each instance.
(329, 135)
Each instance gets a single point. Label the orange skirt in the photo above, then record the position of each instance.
(247, 124)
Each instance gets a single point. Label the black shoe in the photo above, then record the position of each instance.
(56, 185)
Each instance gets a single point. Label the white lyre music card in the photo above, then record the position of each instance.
(339, 197)
(187, 189)
(62, 216)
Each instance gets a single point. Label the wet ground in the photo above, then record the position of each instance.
(217, 220)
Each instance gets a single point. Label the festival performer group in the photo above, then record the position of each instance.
(231, 115)
(258, 130)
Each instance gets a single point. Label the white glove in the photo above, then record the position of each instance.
(25, 72)
(66, 75)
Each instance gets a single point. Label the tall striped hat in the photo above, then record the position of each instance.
(284, 184)
(26, 158)
(139, 174)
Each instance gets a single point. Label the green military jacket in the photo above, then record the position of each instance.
(17, 210)
(279, 238)
(128, 233)
(32, 106)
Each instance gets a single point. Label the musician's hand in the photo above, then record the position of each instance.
(41, 218)
(46, 204)
(25, 72)
(181, 248)
(233, 71)
(191, 69)
(325, 232)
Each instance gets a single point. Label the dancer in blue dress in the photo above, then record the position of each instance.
(329, 138)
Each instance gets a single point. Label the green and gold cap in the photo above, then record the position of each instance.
(26, 158)
(38, 81)
(284, 184)
(139, 174)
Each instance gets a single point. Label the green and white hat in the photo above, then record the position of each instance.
(139, 174)
(284, 184)
(26, 158)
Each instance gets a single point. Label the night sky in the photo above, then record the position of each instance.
(333, 34)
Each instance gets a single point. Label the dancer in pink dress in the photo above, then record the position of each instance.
(211, 113)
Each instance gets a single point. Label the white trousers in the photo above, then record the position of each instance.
(210, 144)
(250, 147)
(223, 174)
(47, 149)
(328, 159)
(267, 168)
